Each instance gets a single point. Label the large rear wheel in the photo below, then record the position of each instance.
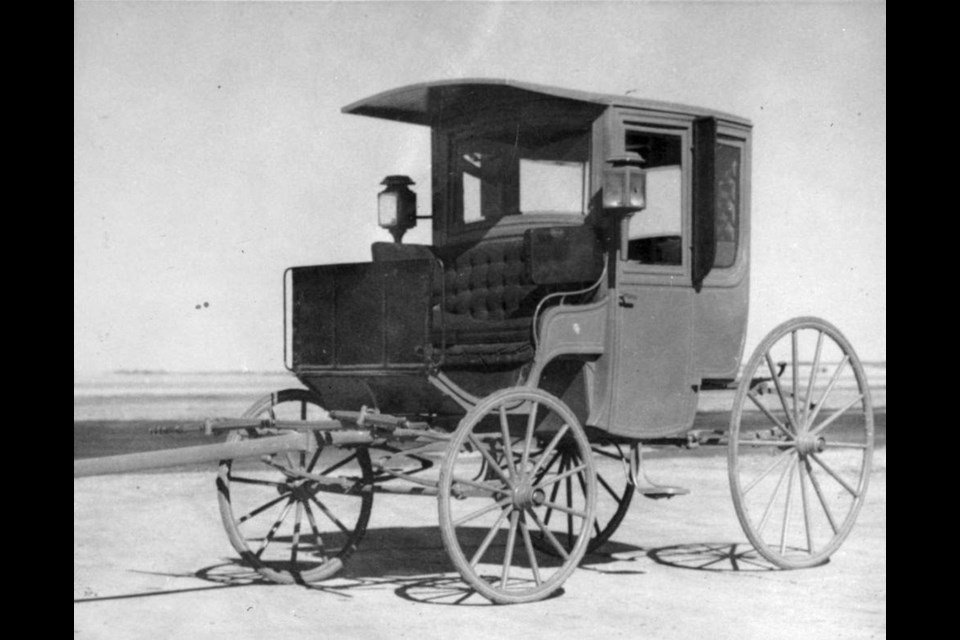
(801, 443)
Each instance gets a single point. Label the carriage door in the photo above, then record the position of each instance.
(655, 393)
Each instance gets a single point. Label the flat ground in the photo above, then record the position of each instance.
(151, 560)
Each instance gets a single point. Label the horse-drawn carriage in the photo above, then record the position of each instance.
(586, 283)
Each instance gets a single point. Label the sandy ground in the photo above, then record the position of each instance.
(151, 560)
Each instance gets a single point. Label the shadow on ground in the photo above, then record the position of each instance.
(411, 562)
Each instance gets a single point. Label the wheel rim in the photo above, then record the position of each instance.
(286, 526)
(491, 541)
(615, 489)
(801, 444)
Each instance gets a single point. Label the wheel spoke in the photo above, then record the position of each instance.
(555, 490)
(783, 456)
(482, 486)
(482, 549)
(507, 446)
(766, 412)
(508, 554)
(609, 489)
(263, 507)
(287, 471)
(819, 492)
(786, 512)
(295, 542)
(794, 367)
(776, 384)
(268, 483)
(335, 466)
(549, 535)
(565, 509)
(813, 377)
(317, 538)
(493, 506)
(583, 484)
(768, 510)
(569, 512)
(314, 459)
(330, 515)
(836, 414)
(543, 472)
(550, 447)
(834, 475)
(583, 487)
(273, 530)
(531, 554)
(561, 476)
(486, 456)
(765, 443)
(806, 506)
(826, 392)
(528, 438)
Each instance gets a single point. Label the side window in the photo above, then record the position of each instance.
(489, 177)
(514, 170)
(728, 204)
(655, 233)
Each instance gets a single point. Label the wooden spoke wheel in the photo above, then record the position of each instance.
(288, 527)
(801, 443)
(491, 541)
(615, 489)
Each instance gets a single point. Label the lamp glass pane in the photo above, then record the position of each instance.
(387, 206)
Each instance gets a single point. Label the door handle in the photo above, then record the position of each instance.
(627, 300)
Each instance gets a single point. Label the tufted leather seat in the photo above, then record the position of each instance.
(483, 304)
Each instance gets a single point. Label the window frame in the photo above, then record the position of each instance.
(451, 190)
(632, 271)
(733, 274)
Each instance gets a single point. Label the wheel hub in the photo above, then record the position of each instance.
(526, 495)
(807, 443)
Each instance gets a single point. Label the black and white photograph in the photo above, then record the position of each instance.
(479, 319)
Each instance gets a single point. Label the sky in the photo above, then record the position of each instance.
(210, 152)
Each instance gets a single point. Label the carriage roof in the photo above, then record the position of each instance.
(420, 103)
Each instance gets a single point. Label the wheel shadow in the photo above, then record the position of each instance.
(712, 556)
(413, 562)
(410, 561)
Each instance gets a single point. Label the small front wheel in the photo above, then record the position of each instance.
(516, 433)
(289, 527)
(801, 443)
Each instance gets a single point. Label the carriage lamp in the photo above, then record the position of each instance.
(624, 193)
(624, 185)
(397, 206)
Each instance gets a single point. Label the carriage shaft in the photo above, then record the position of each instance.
(190, 455)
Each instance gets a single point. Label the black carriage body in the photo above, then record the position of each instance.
(519, 175)
(371, 333)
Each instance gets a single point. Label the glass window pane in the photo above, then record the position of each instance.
(655, 233)
(517, 169)
(471, 198)
(552, 186)
(728, 204)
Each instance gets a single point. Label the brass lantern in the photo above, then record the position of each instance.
(624, 185)
(397, 206)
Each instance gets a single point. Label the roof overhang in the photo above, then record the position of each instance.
(426, 103)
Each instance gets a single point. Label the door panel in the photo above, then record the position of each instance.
(654, 394)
